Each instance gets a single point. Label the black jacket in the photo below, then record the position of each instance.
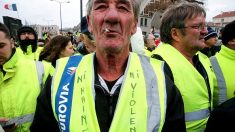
(222, 118)
(211, 51)
(105, 105)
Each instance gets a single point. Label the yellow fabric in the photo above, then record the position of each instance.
(226, 60)
(147, 53)
(161, 87)
(83, 102)
(48, 70)
(29, 54)
(19, 89)
(189, 81)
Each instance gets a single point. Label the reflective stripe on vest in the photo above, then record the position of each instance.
(147, 113)
(65, 93)
(197, 115)
(40, 72)
(191, 84)
(1, 129)
(152, 95)
(20, 120)
(220, 80)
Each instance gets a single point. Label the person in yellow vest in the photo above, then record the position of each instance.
(222, 117)
(211, 39)
(27, 39)
(182, 30)
(58, 47)
(111, 89)
(21, 81)
(149, 44)
(223, 64)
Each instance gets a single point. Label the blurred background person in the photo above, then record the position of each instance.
(223, 64)
(210, 43)
(58, 47)
(21, 81)
(27, 38)
(46, 37)
(88, 44)
(149, 42)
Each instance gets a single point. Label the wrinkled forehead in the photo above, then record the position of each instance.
(196, 18)
(111, 0)
(133, 4)
(118, 1)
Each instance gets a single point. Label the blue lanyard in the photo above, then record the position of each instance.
(64, 93)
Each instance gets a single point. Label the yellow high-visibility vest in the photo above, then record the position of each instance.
(142, 100)
(191, 84)
(19, 89)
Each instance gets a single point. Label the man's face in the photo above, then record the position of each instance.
(211, 41)
(27, 35)
(112, 22)
(5, 48)
(195, 31)
(231, 44)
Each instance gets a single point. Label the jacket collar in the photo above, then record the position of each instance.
(10, 65)
(229, 53)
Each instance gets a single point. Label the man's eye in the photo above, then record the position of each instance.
(123, 8)
(100, 7)
(2, 45)
(195, 26)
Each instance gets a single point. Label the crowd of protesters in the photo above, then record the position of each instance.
(94, 80)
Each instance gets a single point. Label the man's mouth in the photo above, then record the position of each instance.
(200, 38)
(106, 30)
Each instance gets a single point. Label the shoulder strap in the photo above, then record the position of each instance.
(220, 80)
(40, 71)
(167, 69)
(65, 91)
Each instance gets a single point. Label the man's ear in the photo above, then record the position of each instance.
(12, 43)
(175, 34)
(89, 24)
(134, 28)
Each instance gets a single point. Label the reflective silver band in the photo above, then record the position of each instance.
(222, 90)
(20, 120)
(197, 115)
(40, 71)
(154, 111)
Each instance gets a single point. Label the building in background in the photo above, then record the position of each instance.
(222, 19)
(151, 12)
(50, 29)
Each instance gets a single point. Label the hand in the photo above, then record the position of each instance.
(7, 128)
(3, 119)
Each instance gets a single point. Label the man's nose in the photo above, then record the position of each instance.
(111, 16)
(26, 34)
(204, 31)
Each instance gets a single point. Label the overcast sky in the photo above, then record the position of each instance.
(46, 12)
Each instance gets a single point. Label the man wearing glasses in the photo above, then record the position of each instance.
(182, 32)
